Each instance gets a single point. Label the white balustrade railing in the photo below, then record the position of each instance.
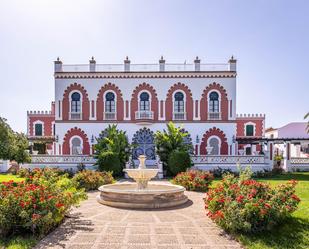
(109, 115)
(179, 116)
(144, 115)
(209, 159)
(75, 116)
(214, 115)
(168, 67)
(299, 160)
(62, 159)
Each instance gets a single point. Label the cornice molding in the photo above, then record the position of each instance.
(124, 75)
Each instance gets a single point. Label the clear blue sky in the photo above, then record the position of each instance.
(269, 38)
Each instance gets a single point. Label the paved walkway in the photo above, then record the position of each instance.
(94, 225)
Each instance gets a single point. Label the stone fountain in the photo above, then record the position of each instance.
(141, 194)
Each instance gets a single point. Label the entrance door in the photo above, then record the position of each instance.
(143, 141)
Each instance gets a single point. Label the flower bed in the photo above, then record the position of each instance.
(194, 180)
(37, 204)
(243, 204)
(92, 180)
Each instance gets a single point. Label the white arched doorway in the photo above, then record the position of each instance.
(76, 145)
(214, 142)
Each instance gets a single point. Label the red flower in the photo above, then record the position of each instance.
(240, 198)
(59, 205)
(295, 197)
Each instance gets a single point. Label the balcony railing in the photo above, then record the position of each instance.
(109, 115)
(168, 67)
(214, 115)
(179, 116)
(144, 115)
(75, 116)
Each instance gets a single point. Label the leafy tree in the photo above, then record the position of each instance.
(172, 139)
(13, 145)
(114, 141)
(6, 140)
(20, 149)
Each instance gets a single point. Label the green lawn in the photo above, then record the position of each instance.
(8, 177)
(294, 233)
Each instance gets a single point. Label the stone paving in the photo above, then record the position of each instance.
(94, 225)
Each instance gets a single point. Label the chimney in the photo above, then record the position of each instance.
(58, 65)
(197, 64)
(53, 107)
(92, 64)
(127, 64)
(162, 64)
(232, 63)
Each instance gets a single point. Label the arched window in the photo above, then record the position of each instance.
(214, 107)
(179, 106)
(249, 130)
(110, 106)
(213, 102)
(144, 104)
(75, 106)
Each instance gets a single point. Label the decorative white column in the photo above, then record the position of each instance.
(287, 156)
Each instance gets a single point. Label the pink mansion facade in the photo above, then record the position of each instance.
(141, 99)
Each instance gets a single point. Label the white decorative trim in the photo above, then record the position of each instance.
(33, 127)
(84, 75)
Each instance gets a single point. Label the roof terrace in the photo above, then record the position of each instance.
(197, 66)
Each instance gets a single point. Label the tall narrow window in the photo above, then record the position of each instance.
(213, 107)
(249, 130)
(75, 106)
(179, 102)
(144, 104)
(214, 102)
(38, 129)
(110, 102)
(179, 106)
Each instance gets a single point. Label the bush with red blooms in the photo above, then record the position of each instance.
(38, 204)
(194, 180)
(243, 204)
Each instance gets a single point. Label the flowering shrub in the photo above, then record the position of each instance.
(243, 204)
(37, 204)
(194, 180)
(91, 180)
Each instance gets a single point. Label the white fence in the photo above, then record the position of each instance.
(60, 161)
(257, 163)
(299, 163)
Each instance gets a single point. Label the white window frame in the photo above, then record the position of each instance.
(245, 128)
(208, 99)
(81, 103)
(38, 122)
(138, 100)
(104, 99)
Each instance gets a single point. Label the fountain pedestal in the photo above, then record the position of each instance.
(141, 194)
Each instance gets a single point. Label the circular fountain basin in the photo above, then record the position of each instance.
(126, 195)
